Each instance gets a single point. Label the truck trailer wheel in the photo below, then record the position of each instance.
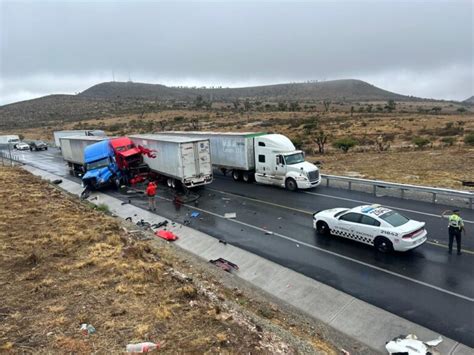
(236, 175)
(291, 184)
(247, 176)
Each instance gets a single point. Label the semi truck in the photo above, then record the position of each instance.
(181, 161)
(270, 159)
(9, 139)
(110, 162)
(73, 151)
(91, 132)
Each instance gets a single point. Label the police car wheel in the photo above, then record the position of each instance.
(322, 228)
(383, 245)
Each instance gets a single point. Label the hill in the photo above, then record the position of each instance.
(469, 100)
(345, 90)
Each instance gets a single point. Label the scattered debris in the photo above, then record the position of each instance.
(195, 214)
(186, 222)
(167, 235)
(224, 264)
(129, 219)
(345, 352)
(161, 224)
(87, 329)
(230, 215)
(57, 181)
(409, 344)
(222, 242)
(268, 232)
(142, 347)
(225, 199)
(467, 183)
(126, 202)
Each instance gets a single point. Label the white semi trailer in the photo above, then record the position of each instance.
(70, 133)
(9, 139)
(270, 159)
(180, 160)
(72, 149)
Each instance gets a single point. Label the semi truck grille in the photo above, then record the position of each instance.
(313, 175)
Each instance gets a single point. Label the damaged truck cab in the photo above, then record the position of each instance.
(109, 162)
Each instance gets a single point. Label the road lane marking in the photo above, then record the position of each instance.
(370, 203)
(437, 288)
(441, 245)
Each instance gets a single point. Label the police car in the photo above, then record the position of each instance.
(375, 225)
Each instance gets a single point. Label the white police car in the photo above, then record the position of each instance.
(375, 225)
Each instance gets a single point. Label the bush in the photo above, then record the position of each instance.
(345, 144)
(421, 142)
(469, 139)
(103, 208)
(449, 141)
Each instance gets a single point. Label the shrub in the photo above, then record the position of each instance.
(469, 139)
(345, 144)
(103, 208)
(449, 141)
(421, 142)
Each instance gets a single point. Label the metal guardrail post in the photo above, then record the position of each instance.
(375, 190)
(350, 185)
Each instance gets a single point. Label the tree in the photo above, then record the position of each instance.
(382, 144)
(449, 141)
(236, 104)
(294, 106)
(369, 108)
(390, 106)
(461, 110)
(352, 111)
(282, 106)
(327, 104)
(436, 109)
(199, 102)
(247, 105)
(321, 140)
(345, 143)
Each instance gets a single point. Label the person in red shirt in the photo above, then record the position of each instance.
(151, 193)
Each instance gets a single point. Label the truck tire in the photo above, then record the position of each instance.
(290, 184)
(247, 176)
(117, 183)
(169, 182)
(236, 175)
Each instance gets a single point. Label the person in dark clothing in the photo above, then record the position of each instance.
(455, 228)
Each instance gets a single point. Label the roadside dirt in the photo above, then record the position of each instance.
(64, 263)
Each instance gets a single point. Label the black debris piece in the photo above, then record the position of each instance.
(57, 181)
(224, 264)
(222, 242)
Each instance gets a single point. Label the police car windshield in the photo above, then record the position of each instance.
(394, 218)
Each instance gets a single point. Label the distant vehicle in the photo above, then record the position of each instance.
(269, 159)
(178, 160)
(71, 133)
(21, 146)
(38, 145)
(9, 139)
(375, 225)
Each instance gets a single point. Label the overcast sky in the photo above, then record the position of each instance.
(421, 48)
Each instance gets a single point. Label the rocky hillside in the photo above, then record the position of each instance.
(469, 100)
(345, 90)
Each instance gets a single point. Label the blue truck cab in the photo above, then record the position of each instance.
(100, 165)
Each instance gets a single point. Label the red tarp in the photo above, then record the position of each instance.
(167, 235)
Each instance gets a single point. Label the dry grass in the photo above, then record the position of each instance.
(63, 264)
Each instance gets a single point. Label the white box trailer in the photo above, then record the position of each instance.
(70, 133)
(269, 159)
(9, 139)
(178, 159)
(73, 151)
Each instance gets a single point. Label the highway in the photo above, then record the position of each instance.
(427, 285)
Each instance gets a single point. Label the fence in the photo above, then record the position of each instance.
(374, 186)
(9, 159)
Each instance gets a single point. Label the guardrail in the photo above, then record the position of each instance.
(466, 195)
(9, 159)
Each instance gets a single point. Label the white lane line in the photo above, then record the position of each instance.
(467, 298)
(395, 208)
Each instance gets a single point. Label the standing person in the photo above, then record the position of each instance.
(455, 227)
(151, 193)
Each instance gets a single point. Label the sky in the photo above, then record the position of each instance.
(417, 47)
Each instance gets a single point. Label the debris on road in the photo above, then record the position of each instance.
(409, 344)
(166, 235)
(161, 224)
(230, 215)
(222, 242)
(224, 264)
(195, 214)
(268, 232)
(57, 181)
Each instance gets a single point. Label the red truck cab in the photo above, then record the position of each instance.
(127, 155)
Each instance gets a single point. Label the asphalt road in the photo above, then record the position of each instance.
(426, 285)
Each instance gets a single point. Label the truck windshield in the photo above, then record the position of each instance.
(294, 158)
(124, 148)
(102, 163)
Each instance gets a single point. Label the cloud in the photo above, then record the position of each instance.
(421, 48)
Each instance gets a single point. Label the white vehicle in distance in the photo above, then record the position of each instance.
(22, 146)
(375, 225)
